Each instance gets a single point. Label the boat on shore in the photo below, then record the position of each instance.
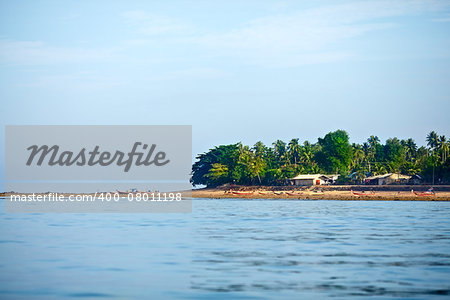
(294, 193)
(241, 193)
(428, 193)
(363, 193)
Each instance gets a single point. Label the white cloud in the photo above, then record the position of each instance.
(310, 36)
(315, 35)
(444, 19)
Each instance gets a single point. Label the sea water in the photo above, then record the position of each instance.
(231, 248)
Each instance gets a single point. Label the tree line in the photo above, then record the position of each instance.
(332, 154)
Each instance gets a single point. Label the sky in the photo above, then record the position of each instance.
(234, 70)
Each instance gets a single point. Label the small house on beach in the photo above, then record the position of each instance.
(389, 178)
(416, 179)
(313, 179)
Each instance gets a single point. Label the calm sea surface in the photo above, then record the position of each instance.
(246, 249)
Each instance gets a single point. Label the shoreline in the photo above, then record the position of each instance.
(333, 192)
(381, 193)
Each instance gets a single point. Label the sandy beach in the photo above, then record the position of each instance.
(388, 193)
(335, 192)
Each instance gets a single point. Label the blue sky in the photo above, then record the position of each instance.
(235, 70)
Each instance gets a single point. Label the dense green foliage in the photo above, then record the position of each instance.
(332, 154)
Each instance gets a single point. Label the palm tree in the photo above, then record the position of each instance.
(373, 141)
(314, 168)
(366, 148)
(294, 150)
(254, 165)
(411, 148)
(368, 154)
(379, 169)
(442, 144)
(432, 140)
(306, 153)
(358, 156)
(279, 148)
(260, 149)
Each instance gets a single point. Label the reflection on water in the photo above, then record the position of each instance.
(251, 249)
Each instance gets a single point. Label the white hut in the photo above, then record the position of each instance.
(309, 179)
